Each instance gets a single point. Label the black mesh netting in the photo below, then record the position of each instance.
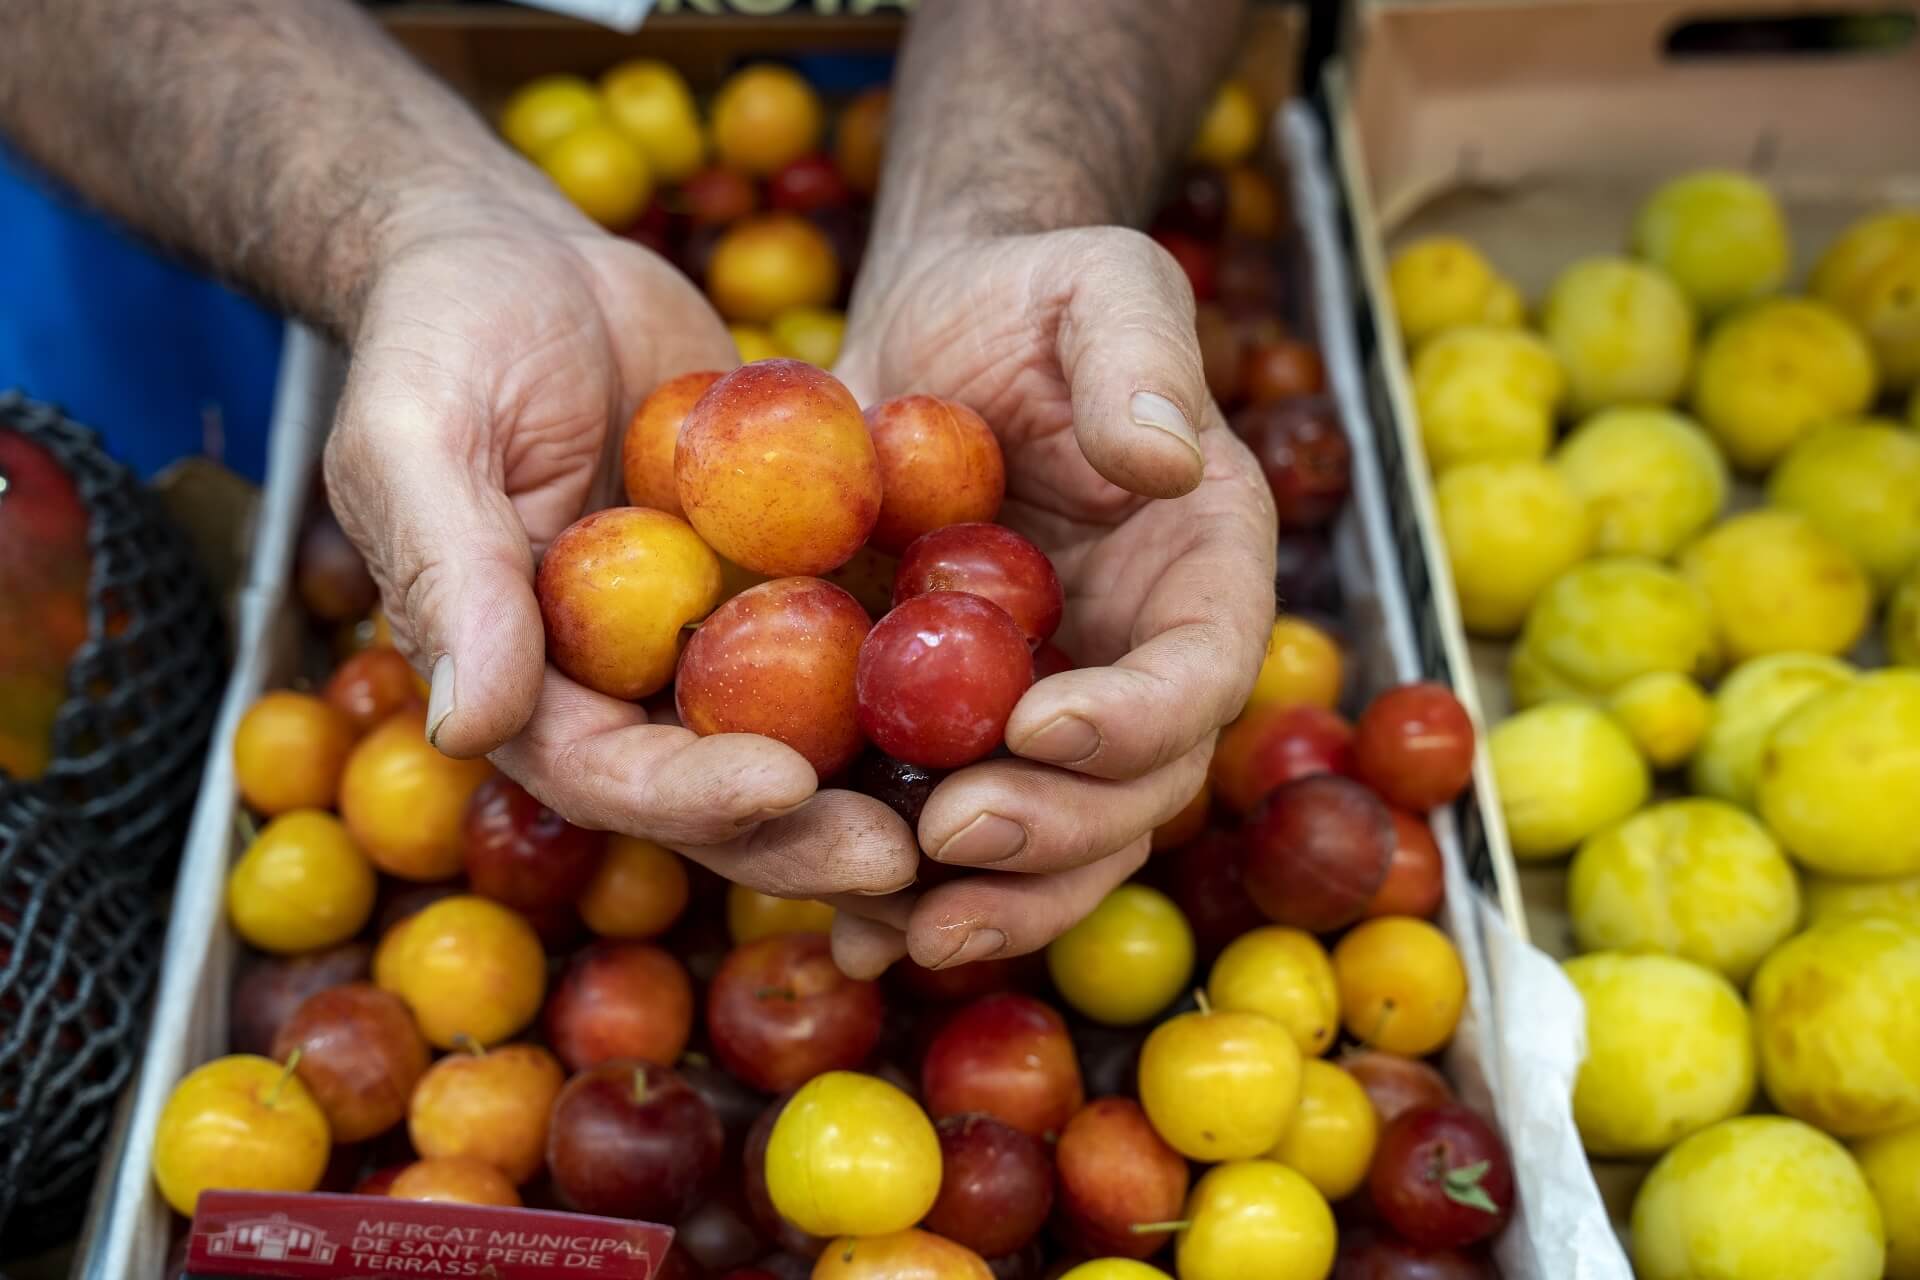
(85, 851)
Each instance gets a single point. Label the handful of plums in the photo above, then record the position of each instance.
(769, 514)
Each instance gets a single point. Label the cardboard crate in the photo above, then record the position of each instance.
(1535, 130)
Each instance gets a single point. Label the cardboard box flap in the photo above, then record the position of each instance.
(1587, 88)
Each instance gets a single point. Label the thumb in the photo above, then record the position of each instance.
(1132, 363)
(453, 562)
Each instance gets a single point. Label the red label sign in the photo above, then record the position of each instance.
(327, 1237)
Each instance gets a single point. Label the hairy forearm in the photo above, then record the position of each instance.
(1015, 115)
(285, 144)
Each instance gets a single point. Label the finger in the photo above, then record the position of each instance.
(855, 369)
(864, 948)
(450, 555)
(986, 916)
(598, 763)
(635, 296)
(890, 909)
(1199, 639)
(1132, 361)
(836, 844)
(1009, 816)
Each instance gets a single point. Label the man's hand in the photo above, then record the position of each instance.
(499, 340)
(495, 361)
(1078, 346)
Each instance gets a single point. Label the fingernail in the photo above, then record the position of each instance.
(1062, 740)
(981, 944)
(988, 838)
(439, 697)
(1162, 414)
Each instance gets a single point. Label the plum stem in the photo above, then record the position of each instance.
(1160, 1228)
(1462, 1186)
(1200, 998)
(464, 1043)
(272, 1097)
(639, 1086)
(1380, 1024)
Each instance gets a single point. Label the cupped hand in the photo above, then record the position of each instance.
(496, 359)
(1079, 347)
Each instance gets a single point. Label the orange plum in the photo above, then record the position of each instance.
(776, 470)
(617, 589)
(646, 457)
(939, 465)
(770, 263)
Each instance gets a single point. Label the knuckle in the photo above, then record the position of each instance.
(1133, 267)
(419, 586)
(1153, 740)
(1159, 268)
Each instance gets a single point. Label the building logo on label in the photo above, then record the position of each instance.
(272, 1239)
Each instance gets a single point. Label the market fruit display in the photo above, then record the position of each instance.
(1623, 332)
(1666, 713)
(1720, 235)
(1829, 900)
(1748, 706)
(1565, 771)
(1654, 620)
(1697, 878)
(288, 753)
(1651, 479)
(852, 1155)
(1255, 1217)
(301, 886)
(1443, 283)
(1441, 1177)
(1486, 394)
(239, 1121)
(749, 191)
(1401, 985)
(1818, 599)
(1892, 1165)
(1838, 777)
(1837, 1022)
(360, 1055)
(489, 1105)
(1511, 528)
(404, 802)
(1799, 1201)
(1734, 552)
(1859, 483)
(470, 1000)
(1332, 1138)
(1772, 371)
(1285, 974)
(1669, 1052)
(1127, 960)
(1220, 1084)
(1871, 275)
